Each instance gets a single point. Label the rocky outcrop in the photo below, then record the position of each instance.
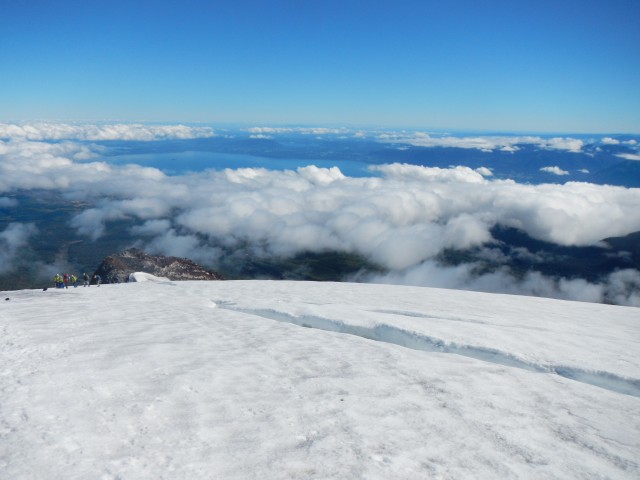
(117, 268)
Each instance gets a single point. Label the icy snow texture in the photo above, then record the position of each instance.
(195, 380)
(146, 277)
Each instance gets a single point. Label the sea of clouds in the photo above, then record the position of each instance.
(485, 143)
(401, 219)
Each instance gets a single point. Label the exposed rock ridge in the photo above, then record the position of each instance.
(117, 268)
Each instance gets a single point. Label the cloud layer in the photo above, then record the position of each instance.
(486, 143)
(400, 220)
(555, 170)
(59, 131)
(12, 239)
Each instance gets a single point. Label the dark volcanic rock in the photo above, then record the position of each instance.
(117, 268)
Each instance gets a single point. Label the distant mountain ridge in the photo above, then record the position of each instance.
(117, 268)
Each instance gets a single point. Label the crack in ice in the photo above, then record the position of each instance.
(389, 334)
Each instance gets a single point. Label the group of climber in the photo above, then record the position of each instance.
(68, 279)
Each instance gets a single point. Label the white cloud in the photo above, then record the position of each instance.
(486, 143)
(190, 246)
(402, 219)
(555, 170)
(152, 227)
(12, 239)
(268, 204)
(629, 156)
(270, 130)
(91, 222)
(299, 130)
(60, 131)
(621, 287)
(405, 172)
(320, 176)
(610, 141)
(484, 171)
(568, 144)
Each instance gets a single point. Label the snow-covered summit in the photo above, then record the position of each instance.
(200, 380)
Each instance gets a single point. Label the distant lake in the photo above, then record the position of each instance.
(176, 163)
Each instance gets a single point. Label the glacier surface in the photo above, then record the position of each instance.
(199, 380)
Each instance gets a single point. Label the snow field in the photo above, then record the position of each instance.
(189, 380)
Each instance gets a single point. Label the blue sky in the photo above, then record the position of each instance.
(537, 66)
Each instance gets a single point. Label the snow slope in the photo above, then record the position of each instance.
(146, 277)
(208, 380)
